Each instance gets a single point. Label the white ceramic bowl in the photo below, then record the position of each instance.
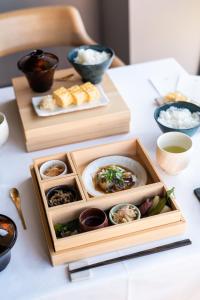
(123, 161)
(49, 164)
(4, 130)
(115, 208)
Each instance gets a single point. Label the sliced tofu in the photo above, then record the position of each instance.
(78, 94)
(62, 97)
(91, 90)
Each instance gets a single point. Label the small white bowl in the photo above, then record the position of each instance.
(49, 164)
(115, 208)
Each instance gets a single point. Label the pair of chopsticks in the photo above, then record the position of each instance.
(154, 250)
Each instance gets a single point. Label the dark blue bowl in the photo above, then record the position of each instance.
(92, 73)
(181, 104)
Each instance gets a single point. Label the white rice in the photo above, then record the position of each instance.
(179, 118)
(91, 57)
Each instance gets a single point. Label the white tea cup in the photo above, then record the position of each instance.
(173, 152)
(4, 130)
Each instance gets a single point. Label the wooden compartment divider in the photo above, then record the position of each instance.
(112, 237)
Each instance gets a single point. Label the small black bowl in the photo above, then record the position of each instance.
(65, 188)
(92, 73)
(7, 240)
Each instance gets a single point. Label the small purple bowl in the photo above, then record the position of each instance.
(92, 218)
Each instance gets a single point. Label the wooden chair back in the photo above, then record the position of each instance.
(40, 27)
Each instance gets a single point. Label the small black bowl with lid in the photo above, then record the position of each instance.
(39, 67)
(8, 236)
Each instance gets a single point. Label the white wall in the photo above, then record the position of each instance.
(165, 28)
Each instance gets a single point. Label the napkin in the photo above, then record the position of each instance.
(189, 85)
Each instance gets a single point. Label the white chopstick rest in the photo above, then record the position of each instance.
(78, 276)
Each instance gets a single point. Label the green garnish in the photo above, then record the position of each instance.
(63, 230)
(113, 174)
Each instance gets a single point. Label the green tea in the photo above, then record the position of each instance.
(174, 149)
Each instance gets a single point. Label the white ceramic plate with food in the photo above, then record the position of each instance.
(102, 101)
(129, 164)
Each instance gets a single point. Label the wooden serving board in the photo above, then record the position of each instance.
(112, 237)
(45, 132)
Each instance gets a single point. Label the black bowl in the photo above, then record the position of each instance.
(7, 240)
(92, 73)
(64, 188)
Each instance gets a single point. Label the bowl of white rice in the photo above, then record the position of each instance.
(178, 116)
(91, 61)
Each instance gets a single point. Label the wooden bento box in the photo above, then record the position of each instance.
(112, 237)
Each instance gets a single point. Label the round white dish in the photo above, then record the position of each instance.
(123, 161)
(49, 164)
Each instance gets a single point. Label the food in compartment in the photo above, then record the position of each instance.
(54, 171)
(174, 97)
(68, 229)
(179, 118)
(47, 103)
(114, 178)
(156, 205)
(53, 168)
(91, 57)
(124, 213)
(94, 218)
(62, 194)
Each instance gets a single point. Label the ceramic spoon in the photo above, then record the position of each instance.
(14, 194)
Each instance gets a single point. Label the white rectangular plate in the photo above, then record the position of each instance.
(71, 108)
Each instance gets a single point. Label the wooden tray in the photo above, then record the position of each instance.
(113, 237)
(64, 129)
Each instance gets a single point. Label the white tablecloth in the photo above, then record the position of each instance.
(171, 275)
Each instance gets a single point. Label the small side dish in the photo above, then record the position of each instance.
(91, 219)
(174, 97)
(62, 194)
(68, 229)
(114, 178)
(156, 205)
(124, 213)
(76, 95)
(65, 100)
(53, 168)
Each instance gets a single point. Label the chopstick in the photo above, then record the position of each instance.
(154, 250)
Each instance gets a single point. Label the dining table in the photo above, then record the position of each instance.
(170, 275)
